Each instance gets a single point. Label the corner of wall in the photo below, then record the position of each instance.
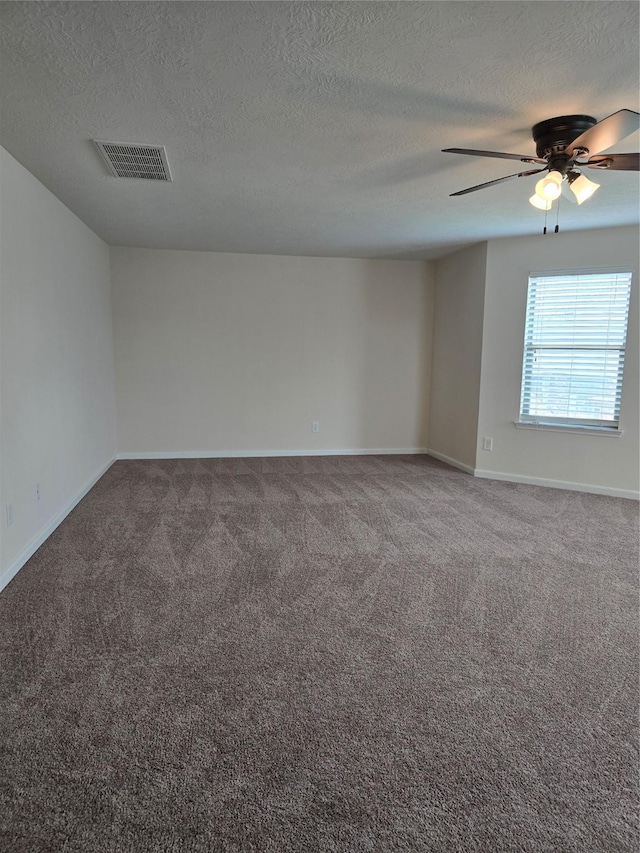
(460, 282)
(430, 291)
(487, 250)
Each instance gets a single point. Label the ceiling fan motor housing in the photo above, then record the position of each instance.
(555, 134)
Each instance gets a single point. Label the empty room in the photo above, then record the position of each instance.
(319, 426)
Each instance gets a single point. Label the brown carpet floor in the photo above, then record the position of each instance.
(322, 654)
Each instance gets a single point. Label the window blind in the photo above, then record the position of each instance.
(574, 348)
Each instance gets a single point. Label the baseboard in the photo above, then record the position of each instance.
(558, 484)
(44, 534)
(453, 462)
(251, 454)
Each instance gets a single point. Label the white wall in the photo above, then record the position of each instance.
(57, 401)
(595, 461)
(219, 353)
(239, 353)
(457, 348)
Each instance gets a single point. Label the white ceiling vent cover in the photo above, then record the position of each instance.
(129, 160)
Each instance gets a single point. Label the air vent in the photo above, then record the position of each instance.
(128, 160)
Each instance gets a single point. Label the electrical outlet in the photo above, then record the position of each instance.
(487, 444)
(37, 492)
(315, 426)
(9, 515)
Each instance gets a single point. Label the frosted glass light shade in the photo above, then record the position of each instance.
(582, 188)
(549, 187)
(540, 203)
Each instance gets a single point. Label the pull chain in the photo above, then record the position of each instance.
(557, 228)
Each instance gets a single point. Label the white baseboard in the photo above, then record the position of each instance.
(558, 484)
(44, 534)
(37, 541)
(251, 454)
(453, 462)
(536, 481)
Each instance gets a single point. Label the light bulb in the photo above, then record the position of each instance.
(582, 188)
(540, 203)
(549, 187)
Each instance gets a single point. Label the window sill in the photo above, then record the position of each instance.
(571, 428)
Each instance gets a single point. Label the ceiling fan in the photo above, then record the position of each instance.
(564, 146)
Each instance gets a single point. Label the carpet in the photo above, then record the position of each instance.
(322, 654)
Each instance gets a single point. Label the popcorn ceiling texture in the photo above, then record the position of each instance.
(310, 128)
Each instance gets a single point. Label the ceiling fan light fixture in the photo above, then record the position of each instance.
(540, 203)
(561, 145)
(550, 187)
(581, 187)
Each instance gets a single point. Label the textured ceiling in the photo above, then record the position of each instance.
(312, 128)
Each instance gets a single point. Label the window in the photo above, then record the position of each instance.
(574, 346)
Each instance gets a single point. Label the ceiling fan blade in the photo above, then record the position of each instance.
(476, 153)
(620, 162)
(498, 181)
(607, 132)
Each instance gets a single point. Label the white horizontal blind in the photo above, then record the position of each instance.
(574, 346)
